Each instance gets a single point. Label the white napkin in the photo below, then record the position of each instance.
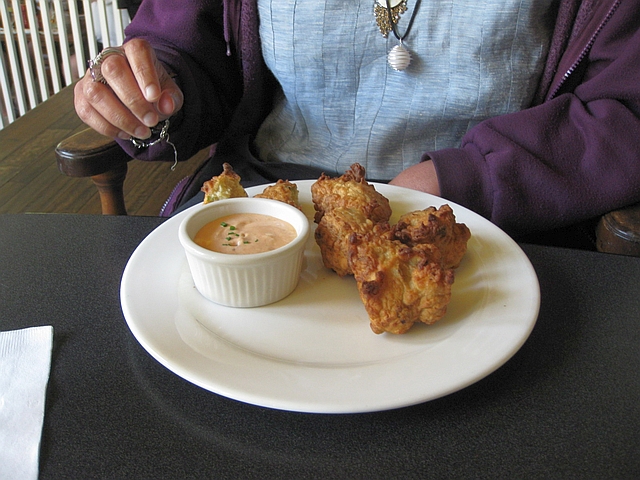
(25, 363)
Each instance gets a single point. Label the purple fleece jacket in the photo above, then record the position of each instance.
(575, 154)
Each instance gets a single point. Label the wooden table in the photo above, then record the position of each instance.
(29, 176)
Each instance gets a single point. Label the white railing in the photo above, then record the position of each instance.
(46, 45)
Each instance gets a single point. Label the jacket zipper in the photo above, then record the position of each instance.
(585, 50)
(178, 186)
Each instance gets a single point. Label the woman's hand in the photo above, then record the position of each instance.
(139, 93)
(419, 177)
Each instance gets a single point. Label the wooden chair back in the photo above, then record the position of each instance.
(46, 45)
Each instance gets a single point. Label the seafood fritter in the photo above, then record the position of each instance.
(437, 227)
(345, 205)
(225, 185)
(332, 236)
(283, 191)
(399, 284)
(352, 192)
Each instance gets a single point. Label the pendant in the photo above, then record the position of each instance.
(399, 58)
(398, 7)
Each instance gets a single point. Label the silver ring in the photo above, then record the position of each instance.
(96, 63)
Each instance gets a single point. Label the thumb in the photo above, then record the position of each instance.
(170, 101)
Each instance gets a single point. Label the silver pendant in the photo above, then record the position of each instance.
(399, 58)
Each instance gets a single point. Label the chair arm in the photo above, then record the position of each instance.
(90, 154)
(619, 231)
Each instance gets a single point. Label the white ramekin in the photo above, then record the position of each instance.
(248, 280)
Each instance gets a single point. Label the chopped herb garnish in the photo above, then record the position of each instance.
(231, 227)
(245, 242)
(226, 244)
(224, 224)
(227, 238)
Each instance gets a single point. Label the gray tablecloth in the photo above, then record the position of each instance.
(566, 405)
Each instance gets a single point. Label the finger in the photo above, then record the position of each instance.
(145, 68)
(87, 113)
(153, 79)
(170, 101)
(90, 116)
(117, 72)
(98, 106)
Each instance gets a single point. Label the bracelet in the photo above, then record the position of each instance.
(161, 134)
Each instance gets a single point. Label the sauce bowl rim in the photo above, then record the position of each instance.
(202, 212)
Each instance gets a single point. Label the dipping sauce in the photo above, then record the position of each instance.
(245, 233)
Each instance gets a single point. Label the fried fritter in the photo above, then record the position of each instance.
(345, 205)
(399, 284)
(349, 191)
(437, 227)
(332, 236)
(283, 191)
(225, 185)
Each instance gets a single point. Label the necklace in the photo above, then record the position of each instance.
(385, 18)
(387, 14)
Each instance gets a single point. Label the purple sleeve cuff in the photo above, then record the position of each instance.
(462, 175)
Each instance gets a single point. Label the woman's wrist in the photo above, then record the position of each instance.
(420, 177)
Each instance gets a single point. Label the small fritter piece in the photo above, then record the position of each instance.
(283, 191)
(437, 227)
(349, 191)
(332, 236)
(225, 185)
(398, 284)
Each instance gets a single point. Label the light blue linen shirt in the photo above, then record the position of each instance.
(341, 102)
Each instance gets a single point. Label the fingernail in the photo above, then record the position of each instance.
(150, 119)
(152, 92)
(167, 105)
(176, 99)
(123, 135)
(142, 132)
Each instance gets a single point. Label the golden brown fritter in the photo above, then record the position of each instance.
(404, 273)
(399, 284)
(332, 236)
(349, 191)
(283, 191)
(225, 185)
(345, 205)
(437, 227)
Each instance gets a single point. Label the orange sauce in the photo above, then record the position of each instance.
(245, 233)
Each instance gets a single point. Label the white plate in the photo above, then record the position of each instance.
(314, 350)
